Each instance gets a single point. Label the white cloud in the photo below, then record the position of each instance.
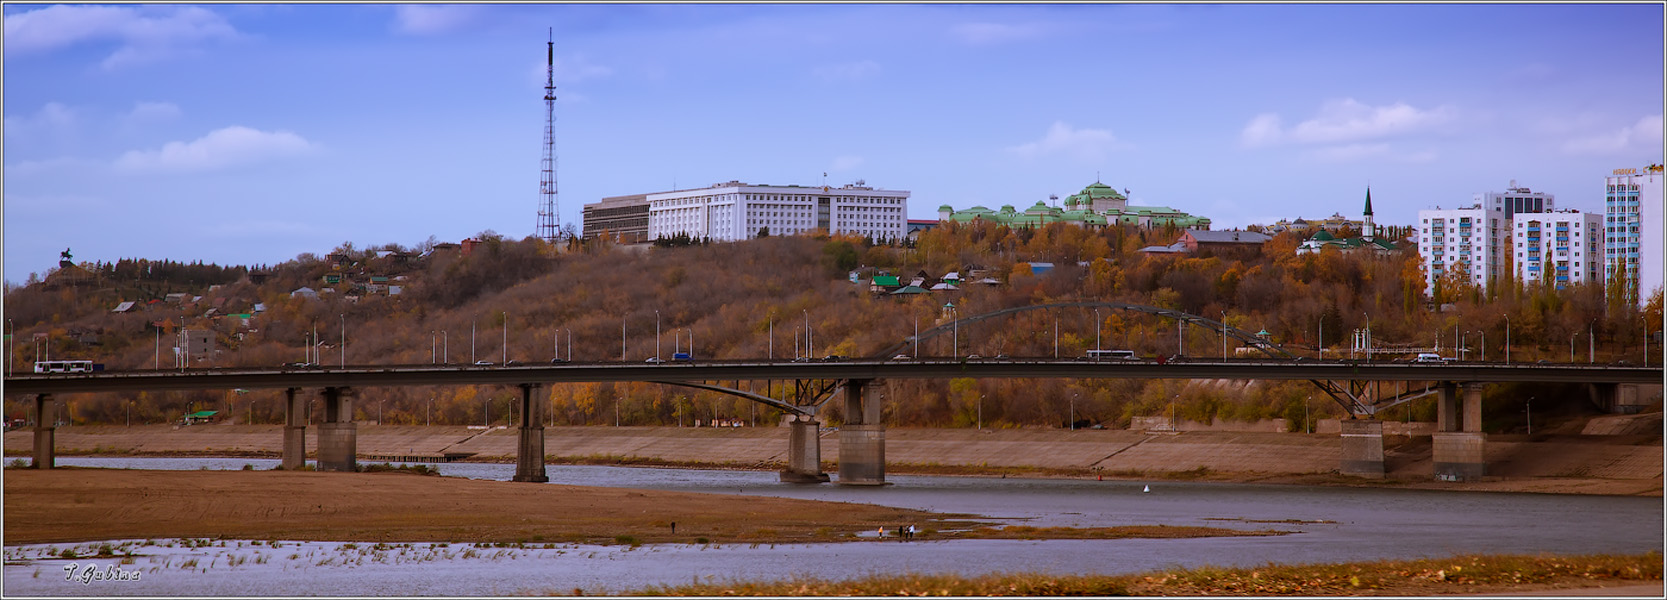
(847, 72)
(1640, 136)
(144, 32)
(846, 163)
(154, 111)
(221, 148)
(1344, 121)
(1263, 130)
(1062, 140)
(52, 117)
(995, 33)
(429, 19)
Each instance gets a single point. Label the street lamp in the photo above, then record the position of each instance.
(1224, 336)
(445, 347)
(1571, 345)
(810, 345)
(433, 347)
(1530, 411)
(656, 336)
(1507, 339)
(344, 339)
(1097, 322)
(1073, 411)
(981, 412)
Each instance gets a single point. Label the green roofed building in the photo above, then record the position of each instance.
(1095, 207)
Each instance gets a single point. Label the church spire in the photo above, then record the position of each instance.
(1368, 212)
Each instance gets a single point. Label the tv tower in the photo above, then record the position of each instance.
(547, 185)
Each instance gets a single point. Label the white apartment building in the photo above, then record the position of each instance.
(1478, 238)
(1562, 247)
(1517, 200)
(735, 211)
(1632, 229)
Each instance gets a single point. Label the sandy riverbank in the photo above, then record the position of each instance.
(1591, 464)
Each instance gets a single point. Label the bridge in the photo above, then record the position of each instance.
(862, 436)
(1457, 447)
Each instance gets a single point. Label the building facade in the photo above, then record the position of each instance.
(1516, 199)
(1632, 230)
(735, 211)
(1477, 239)
(1561, 248)
(623, 219)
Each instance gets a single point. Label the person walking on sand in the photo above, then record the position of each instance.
(911, 532)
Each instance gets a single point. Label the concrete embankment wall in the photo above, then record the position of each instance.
(1610, 457)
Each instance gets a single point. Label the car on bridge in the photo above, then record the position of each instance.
(654, 360)
(483, 363)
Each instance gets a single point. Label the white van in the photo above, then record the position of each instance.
(1426, 357)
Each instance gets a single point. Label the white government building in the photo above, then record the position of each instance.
(735, 211)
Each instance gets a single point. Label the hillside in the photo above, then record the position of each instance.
(728, 297)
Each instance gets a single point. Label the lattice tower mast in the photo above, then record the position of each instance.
(547, 225)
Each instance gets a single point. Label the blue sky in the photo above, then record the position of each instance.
(248, 134)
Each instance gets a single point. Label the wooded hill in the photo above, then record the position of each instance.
(727, 297)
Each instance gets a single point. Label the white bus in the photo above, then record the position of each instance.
(67, 366)
(1112, 355)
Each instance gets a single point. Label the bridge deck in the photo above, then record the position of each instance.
(411, 375)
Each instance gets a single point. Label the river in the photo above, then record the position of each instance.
(1330, 525)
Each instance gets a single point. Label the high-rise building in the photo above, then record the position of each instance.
(1559, 247)
(735, 211)
(1632, 230)
(1476, 239)
(1517, 200)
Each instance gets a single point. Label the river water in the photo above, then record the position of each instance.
(1330, 525)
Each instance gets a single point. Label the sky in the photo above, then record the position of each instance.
(250, 134)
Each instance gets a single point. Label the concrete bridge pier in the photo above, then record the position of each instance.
(862, 439)
(295, 430)
(1458, 441)
(1362, 448)
(46, 431)
(338, 434)
(804, 452)
(529, 453)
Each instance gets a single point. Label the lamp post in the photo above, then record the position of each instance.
(472, 359)
(1224, 336)
(1073, 411)
(622, 338)
(506, 339)
(1530, 411)
(433, 347)
(1172, 400)
(1179, 349)
(656, 336)
(810, 345)
(344, 339)
(1571, 345)
(981, 412)
(955, 333)
(1368, 335)
(1055, 335)
(1307, 425)
(1097, 322)
(445, 347)
(1591, 342)
(1507, 339)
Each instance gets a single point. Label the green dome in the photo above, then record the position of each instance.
(946, 208)
(1323, 236)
